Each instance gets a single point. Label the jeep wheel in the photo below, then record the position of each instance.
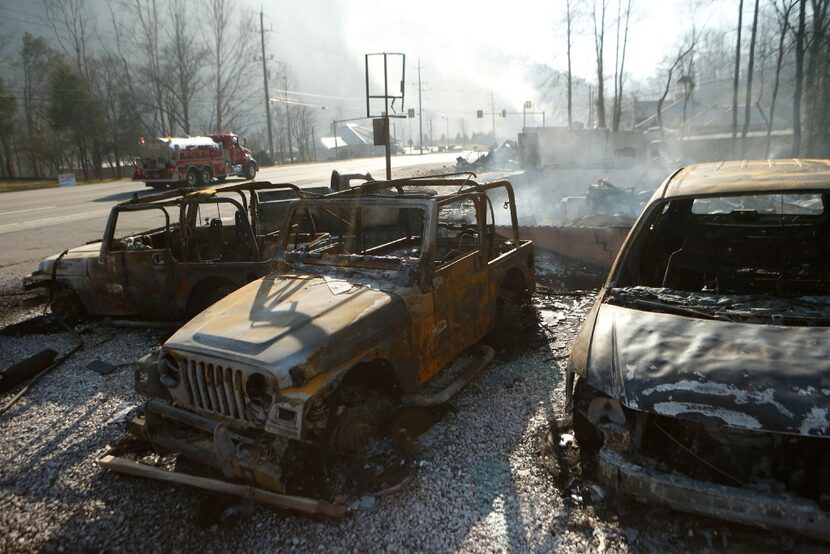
(359, 414)
(250, 170)
(66, 305)
(192, 177)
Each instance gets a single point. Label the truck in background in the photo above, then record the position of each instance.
(194, 161)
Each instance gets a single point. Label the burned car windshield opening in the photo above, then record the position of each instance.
(759, 257)
(320, 230)
(146, 229)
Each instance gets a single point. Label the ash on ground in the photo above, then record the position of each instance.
(479, 481)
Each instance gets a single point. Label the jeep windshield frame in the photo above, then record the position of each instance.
(347, 211)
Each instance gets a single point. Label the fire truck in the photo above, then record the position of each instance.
(169, 161)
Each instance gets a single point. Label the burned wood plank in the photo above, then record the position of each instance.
(308, 506)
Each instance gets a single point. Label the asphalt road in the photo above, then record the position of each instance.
(35, 224)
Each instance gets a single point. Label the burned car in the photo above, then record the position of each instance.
(374, 291)
(169, 255)
(701, 377)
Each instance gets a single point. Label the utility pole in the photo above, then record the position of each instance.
(265, 82)
(334, 134)
(493, 113)
(288, 120)
(590, 107)
(313, 143)
(420, 112)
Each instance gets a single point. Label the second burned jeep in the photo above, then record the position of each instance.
(374, 290)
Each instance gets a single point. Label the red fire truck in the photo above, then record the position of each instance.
(194, 161)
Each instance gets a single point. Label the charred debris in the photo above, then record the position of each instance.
(699, 379)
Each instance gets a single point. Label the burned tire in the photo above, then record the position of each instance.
(512, 314)
(250, 170)
(192, 177)
(66, 305)
(205, 176)
(358, 418)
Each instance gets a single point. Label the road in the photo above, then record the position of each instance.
(38, 223)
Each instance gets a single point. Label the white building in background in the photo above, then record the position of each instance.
(351, 141)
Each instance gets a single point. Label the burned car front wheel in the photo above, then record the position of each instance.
(66, 305)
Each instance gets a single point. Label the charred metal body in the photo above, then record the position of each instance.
(374, 290)
(702, 372)
(201, 245)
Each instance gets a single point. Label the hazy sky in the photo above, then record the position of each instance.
(467, 48)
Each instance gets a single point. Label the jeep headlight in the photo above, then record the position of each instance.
(260, 393)
(169, 373)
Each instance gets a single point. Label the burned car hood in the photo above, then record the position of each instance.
(73, 262)
(750, 376)
(282, 322)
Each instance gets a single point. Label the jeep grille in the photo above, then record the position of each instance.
(215, 388)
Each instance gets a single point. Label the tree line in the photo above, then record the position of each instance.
(787, 51)
(78, 96)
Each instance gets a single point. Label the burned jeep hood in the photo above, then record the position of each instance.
(280, 322)
(73, 262)
(760, 377)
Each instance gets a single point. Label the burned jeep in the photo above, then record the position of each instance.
(374, 291)
(169, 255)
(702, 373)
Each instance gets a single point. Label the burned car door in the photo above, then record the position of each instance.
(138, 260)
(459, 282)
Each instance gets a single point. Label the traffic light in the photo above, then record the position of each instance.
(504, 113)
(480, 114)
(528, 105)
(410, 112)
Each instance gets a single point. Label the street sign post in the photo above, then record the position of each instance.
(388, 98)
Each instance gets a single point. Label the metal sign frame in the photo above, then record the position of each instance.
(386, 97)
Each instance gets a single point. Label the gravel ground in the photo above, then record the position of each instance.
(479, 486)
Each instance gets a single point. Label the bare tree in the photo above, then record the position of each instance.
(183, 56)
(783, 13)
(678, 60)
(71, 23)
(302, 120)
(749, 74)
(570, 16)
(148, 37)
(687, 79)
(736, 81)
(816, 77)
(231, 54)
(619, 66)
(799, 75)
(599, 46)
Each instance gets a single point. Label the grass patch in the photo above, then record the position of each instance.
(20, 184)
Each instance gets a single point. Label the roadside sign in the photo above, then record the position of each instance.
(67, 180)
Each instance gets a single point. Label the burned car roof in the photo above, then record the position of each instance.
(737, 177)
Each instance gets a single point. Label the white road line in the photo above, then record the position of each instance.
(23, 225)
(29, 210)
